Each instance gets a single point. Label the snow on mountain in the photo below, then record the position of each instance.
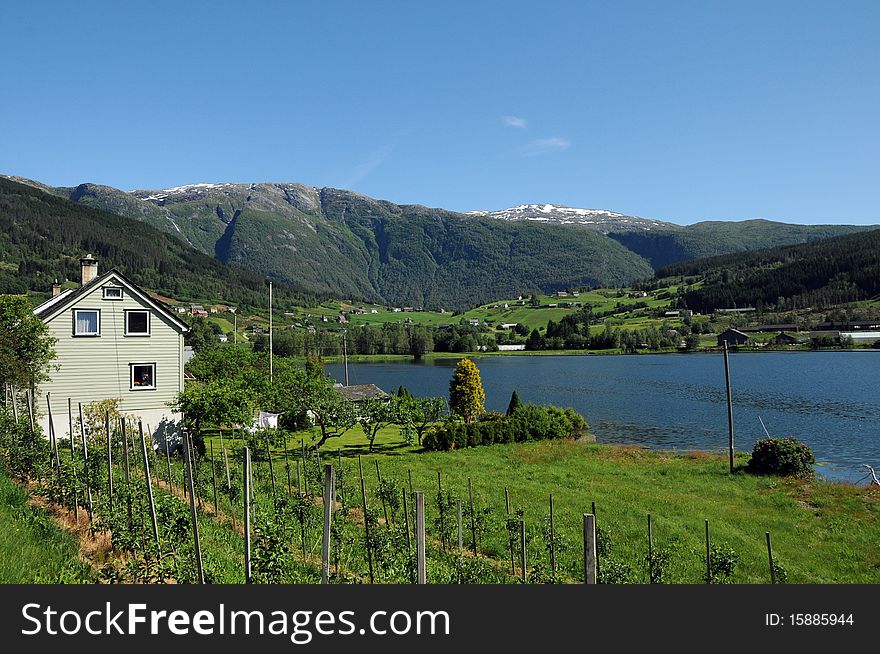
(597, 219)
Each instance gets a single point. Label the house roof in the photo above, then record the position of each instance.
(733, 331)
(359, 392)
(51, 307)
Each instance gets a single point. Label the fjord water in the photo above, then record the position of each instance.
(829, 400)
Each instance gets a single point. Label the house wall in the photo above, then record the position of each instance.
(91, 368)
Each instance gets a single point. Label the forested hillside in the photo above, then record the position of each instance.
(42, 238)
(817, 274)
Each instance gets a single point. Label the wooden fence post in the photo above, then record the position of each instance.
(15, 404)
(149, 488)
(329, 491)
(770, 556)
(381, 496)
(109, 458)
(287, 468)
(53, 440)
(522, 543)
(509, 533)
(595, 520)
(708, 557)
(420, 538)
(408, 538)
(589, 548)
(30, 408)
(460, 545)
(650, 552)
(442, 508)
(214, 480)
(473, 518)
(552, 543)
(82, 433)
(192, 507)
(366, 520)
(125, 455)
(247, 514)
(73, 462)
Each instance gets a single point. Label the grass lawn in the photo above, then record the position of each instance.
(33, 549)
(822, 532)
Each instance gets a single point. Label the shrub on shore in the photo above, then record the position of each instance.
(786, 457)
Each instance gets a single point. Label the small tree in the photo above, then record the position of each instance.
(466, 395)
(218, 402)
(26, 348)
(421, 413)
(374, 414)
(515, 403)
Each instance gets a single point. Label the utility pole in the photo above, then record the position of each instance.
(729, 405)
(345, 353)
(270, 331)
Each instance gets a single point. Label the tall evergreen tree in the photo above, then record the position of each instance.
(515, 403)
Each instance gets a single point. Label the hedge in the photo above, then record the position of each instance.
(529, 422)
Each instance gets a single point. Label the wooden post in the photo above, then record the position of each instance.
(299, 486)
(125, 456)
(272, 474)
(729, 406)
(340, 478)
(552, 544)
(708, 557)
(595, 520)
(770, 557)
(412, 575)
(30, 407)
(73, 461)
(366, 519)
(382, 497)
(53, 441)
(109, 458)
(522, 551)
(589, 548)
(15, 404)
(473, 518)
(305, 467)
(149, 488)
(460, 545)
(192, 506)
(509, 534)
(247, 514)
(650, 552)
(441, 506)
(214, 480)
(329, 491)
(82, 433)
(287, 468)
(168, 463)
(420, 538)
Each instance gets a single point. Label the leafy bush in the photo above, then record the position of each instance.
(782, 456)
(722, 562)
(530, 422)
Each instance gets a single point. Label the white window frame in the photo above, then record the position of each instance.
(112, 288)
(131, 367)
(149, 322)
(88, 334)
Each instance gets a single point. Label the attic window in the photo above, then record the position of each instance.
(112, 293)
(143, 376)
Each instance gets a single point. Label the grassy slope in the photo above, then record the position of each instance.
(32, 547)
(821, 532)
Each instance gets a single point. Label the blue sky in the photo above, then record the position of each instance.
(681, 111)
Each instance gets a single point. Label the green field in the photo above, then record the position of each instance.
(33, 549)
(822, 532)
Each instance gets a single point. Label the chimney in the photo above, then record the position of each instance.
(89, 269)
(56, 288)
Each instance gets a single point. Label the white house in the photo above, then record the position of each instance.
(112, 341)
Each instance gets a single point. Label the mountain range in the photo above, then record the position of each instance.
(335, 242)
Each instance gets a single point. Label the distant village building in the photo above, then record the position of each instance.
(374, 311)
(511, 348)
(733, 337)
(785, 339)
(508, 325)
(734, 310)
(112, 341)
(198, 310)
